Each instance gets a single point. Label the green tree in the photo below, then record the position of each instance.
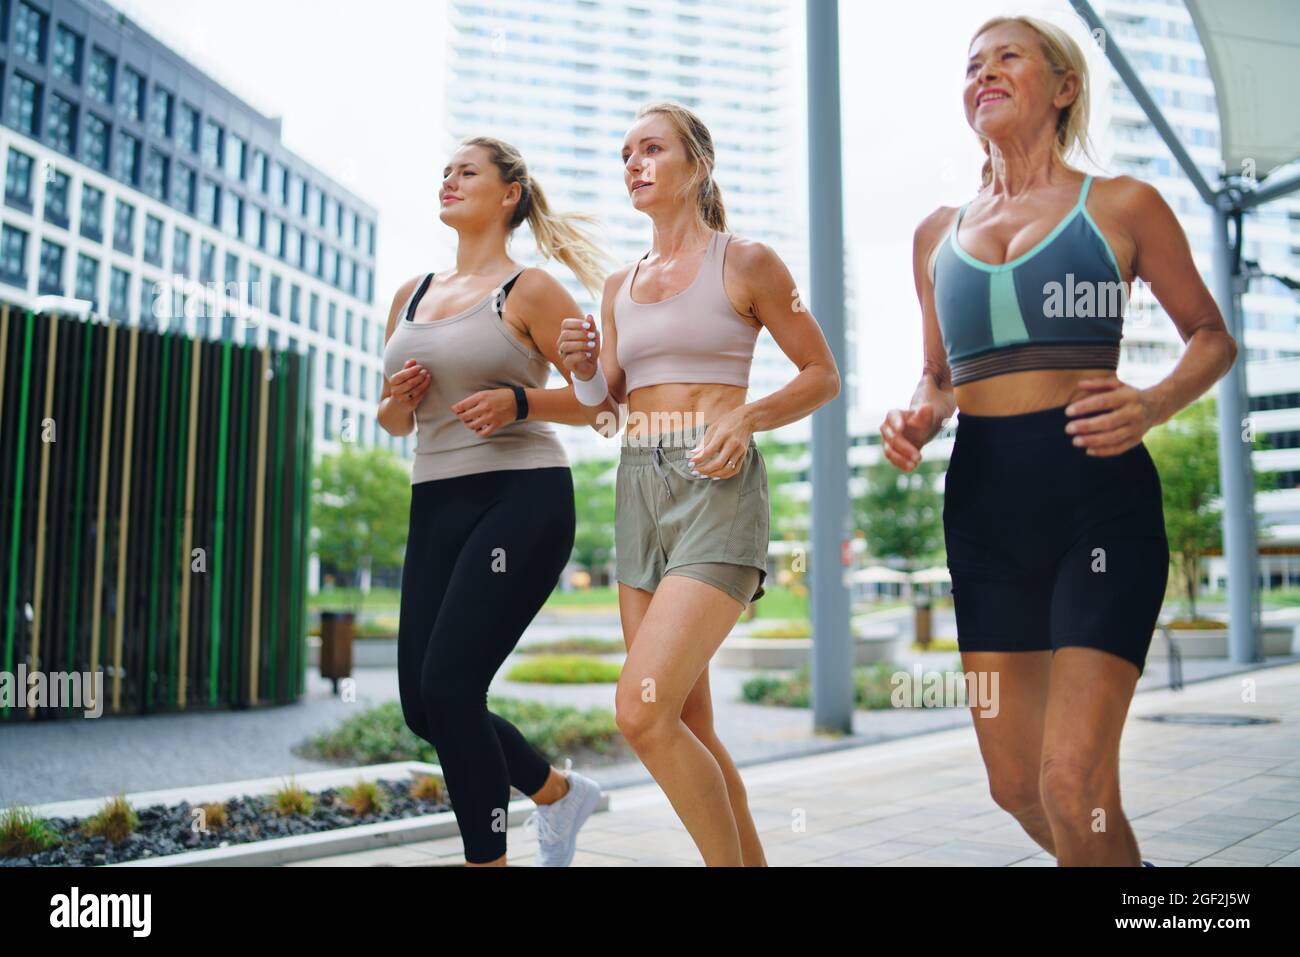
(593, 489)
(360, 509)
(1186, 452)
(902, 512)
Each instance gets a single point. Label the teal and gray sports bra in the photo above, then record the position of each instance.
(1058, 306)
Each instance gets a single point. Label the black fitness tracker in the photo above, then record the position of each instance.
(521, 402)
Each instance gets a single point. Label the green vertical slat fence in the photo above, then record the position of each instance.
(218, 635)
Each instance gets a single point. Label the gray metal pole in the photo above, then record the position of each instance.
(1235, 473)
(832, 674)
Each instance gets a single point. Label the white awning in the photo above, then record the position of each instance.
(1253, 51)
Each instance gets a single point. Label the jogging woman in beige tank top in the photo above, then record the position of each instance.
(691, 527)
(492, 518)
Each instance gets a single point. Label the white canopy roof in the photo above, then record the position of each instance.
(1253, 51)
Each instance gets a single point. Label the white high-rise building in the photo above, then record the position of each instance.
(562, 82)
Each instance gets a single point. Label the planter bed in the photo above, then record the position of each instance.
(257, 835)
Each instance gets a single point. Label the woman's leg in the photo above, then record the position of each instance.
(1087, 706)
(1011, 739)
(508, 564)
(682, 627)
(697, 715)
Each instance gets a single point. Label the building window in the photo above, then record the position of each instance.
(255, 227)
(297, 194)
(187, 128)
(67, 54)
(327, 420)
(87, 279)
(153, 240)
(18, 180)
(29, 33)
(181, 252)
(255, 285)
(123, 231)
(127, 157)
(279, 184)
(295, 304)
(92, 212)
(183, 189)
(50, 281)
(347, 376)
(259, 171)
(370, 238)
(155, 174)
(61, 125)
(338, 219)
(365, 335)
(209, 196)
(24, 104)
(207, 262)
(13, 255)
(274, 305)
(275, 237)
(160, 113)
(329, 371)
(211, 144)
(232, 267)
(233, 216)
(131, 102)
(96, 142)
(313, 312)
(316, 205)
(119, 285)
(235, 149)
(347, 327)
(100, 76)
(57, 188)
(149, 294)
(332, 323)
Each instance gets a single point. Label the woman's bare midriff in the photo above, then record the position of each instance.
(678, 406)
(1014, 393)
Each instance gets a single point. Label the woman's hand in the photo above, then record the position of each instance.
(1131, 413)
(409, 384)
(903, 433)
(721, 452)
(485, 412)
(579, 344)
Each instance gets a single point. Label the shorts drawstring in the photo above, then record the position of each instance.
(658, 457)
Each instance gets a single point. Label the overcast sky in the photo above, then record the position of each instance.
(361, 89)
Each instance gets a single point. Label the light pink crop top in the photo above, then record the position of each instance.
(694, 336)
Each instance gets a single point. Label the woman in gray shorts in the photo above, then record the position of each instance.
(691, 523)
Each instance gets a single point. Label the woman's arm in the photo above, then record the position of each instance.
(1163, 260)
(399, 396)
(604, 418)
(774, 300)
(904, 431)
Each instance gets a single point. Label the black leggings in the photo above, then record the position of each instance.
(483, 553)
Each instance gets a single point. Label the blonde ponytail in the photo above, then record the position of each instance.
(556, 234)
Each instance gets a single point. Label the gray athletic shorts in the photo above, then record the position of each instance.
(668, 522)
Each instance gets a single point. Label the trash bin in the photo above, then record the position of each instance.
(336, 629)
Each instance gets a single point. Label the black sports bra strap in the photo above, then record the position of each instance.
(505, 290)
(419, 294)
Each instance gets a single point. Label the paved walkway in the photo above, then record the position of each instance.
(1196, 794)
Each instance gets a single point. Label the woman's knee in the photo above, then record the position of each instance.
(1016, 791)
(1075, 789)
(643, 722)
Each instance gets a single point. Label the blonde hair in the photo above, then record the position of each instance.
(697, 139)
(1063, 56)
(557, 234)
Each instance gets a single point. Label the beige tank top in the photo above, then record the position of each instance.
(694, 336)
(466, 353)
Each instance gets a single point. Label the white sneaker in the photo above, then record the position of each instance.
(557, 823)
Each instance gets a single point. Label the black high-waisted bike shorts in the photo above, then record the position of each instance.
(1049, 546)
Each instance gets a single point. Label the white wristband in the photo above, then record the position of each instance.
(591, 391)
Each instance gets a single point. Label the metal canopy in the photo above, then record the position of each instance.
(1252, 54)
(1252, 49)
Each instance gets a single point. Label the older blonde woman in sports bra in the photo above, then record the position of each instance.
(1052, 505)
(692, 519)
